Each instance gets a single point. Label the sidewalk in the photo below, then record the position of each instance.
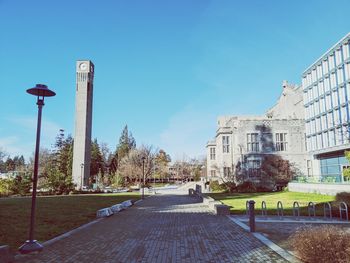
(162, 228)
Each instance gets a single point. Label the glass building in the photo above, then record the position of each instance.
(326, 96)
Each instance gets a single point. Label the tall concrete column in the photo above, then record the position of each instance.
(83, 123)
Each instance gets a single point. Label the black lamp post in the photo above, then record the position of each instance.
(143, 174)
(41, 91)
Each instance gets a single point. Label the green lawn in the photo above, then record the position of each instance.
(55, 215)
(238, 201)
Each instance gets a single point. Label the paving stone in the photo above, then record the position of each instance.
(162, 228)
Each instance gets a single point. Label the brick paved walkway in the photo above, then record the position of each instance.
(164, 228)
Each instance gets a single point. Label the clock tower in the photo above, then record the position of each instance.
(83, 123)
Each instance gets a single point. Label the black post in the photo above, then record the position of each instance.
(251, 216)
(143, 175)
(32, 245)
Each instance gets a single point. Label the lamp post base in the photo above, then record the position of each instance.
(30, 246)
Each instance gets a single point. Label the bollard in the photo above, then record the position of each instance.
(251, 216)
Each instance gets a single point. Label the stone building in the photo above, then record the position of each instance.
(242, 142)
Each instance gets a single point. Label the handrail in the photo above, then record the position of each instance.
(263, 208)
(327, 208)
(279, 209)
(311, 208)
(296, 209)
(341, 210)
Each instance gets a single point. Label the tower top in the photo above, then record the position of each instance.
(84, 66)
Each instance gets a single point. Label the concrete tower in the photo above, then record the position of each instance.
(83, 121)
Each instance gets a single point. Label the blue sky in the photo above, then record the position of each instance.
(165, 68)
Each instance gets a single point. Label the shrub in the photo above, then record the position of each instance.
(343, 197)
(321, 244)
(246, 187)
(216, 187)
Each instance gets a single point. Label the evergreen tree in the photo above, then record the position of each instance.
(97, 163)
(126, 143)
(58, 170)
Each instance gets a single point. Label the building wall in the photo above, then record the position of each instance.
(283, 118)
(326, 91)
(326, 95)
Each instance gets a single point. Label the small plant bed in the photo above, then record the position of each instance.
(55, 215)
(283, 233)
(237, 201)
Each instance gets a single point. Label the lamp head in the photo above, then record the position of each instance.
(41, 90)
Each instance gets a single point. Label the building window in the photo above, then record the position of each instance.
(252, 142)
(331, 168)
(212, 173)
(227, 171)
(225, 144)
(212, 153)
(281, 142)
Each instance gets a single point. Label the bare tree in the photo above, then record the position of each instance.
(131, 166)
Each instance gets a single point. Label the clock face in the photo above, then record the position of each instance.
(83, 66)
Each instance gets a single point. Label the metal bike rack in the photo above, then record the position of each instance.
(311, 209)
(263, 208)
(343, 207)
(327, 208)
(296, 209)
(279, 209)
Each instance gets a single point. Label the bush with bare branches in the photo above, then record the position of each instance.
(321, 244)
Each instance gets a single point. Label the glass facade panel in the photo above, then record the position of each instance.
(325, 139)
(333, 81)
(332, 168)
(338, 136)
(321, 88)
(338, 56)
(331, 138)
(342, 97)
(347, 87)
(318, 124)
(340, 76)
(328, 102)
(313, 76)
(347, 71)
(344, 115)
(324, 122)
(319, 141)
(331, 62)
(327, 86)
(336, 117)
(317, 108)
(330, 120)
(322, 105)
(325, 66)
(335, 99)
(346, 51)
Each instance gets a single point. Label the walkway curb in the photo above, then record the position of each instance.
(280, 251)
